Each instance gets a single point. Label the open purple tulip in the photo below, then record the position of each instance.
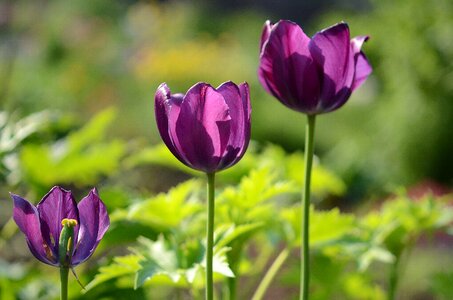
(58, 220)
(207, 129)
(312, 76)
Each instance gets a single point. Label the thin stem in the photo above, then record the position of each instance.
(393, 279)
(304, 250)
(64, 271)
(271, 273)
(232, 283)
(210, 238)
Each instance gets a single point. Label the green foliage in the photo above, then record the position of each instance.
(441, 285)
(81, 158)
(13, 132)
(165, 211)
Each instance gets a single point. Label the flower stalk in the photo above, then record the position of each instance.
(304, 249)
(210, 237)
(64, 271)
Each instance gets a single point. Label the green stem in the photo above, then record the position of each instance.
(64, 271)
(393, 279)
(271, 273)
(304, 250)
(232, 282)
(210, 238)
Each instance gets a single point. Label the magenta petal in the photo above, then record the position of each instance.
(331, 50)
(287, 70)
(167, 107)
(233, 98)
(57, 205)
(27, 219)
(203, 127)
(94, 222)
(362, 67)
(266, 32)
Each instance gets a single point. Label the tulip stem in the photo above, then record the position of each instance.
(270, 275)
(64, 271)
(305, 250)
(210, 238)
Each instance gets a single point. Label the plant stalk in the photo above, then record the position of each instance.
(304, 250)
(64, 271)
(270, 275)
(393, 279)
(210, 238)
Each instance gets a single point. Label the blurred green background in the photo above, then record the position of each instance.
(95, 65)
(79, 57)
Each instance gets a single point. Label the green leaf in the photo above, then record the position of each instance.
(121, 266)
(228, 234)
(326, 227)
(161, 259)
(166, 210)
(81, 158)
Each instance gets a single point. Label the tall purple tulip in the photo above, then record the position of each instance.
(312, 76)
(43, 225)
(207, 129)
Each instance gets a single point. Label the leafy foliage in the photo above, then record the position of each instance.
(81, 158)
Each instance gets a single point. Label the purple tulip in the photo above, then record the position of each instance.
(312, 76)
(207, 129)
(58, 211)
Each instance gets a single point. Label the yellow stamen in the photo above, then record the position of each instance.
(69, 222)
(69, 247)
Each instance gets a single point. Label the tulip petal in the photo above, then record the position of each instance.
(27, 219)
(203, 127)
(265, 34)
(167, 107)
(362, 67)
(55, 206)
(331, 50)
(94, 222)
(287, 70)
(238, 113)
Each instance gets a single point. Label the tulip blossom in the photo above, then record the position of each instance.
(207, 129)
(312, 76)
(60, 232)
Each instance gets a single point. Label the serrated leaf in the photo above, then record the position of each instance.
(325, 226)
(121, 266)
(227, 234)
(166, 210)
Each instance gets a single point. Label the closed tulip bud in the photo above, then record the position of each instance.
(312, 76)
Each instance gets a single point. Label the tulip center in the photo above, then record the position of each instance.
(66, 243)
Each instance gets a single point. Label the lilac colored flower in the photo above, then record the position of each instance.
(43, 224)
(207, 129)
(312, 76)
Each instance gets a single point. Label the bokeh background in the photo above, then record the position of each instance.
(64, 62)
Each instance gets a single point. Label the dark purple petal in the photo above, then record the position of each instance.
(362, 67)
(203, 127)
(331, 50)
(245, 95)
(27, 219)
(237, 109)
(287, 70)
(265, 34)
(167, 106)
(57, 205)
(94, 222)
